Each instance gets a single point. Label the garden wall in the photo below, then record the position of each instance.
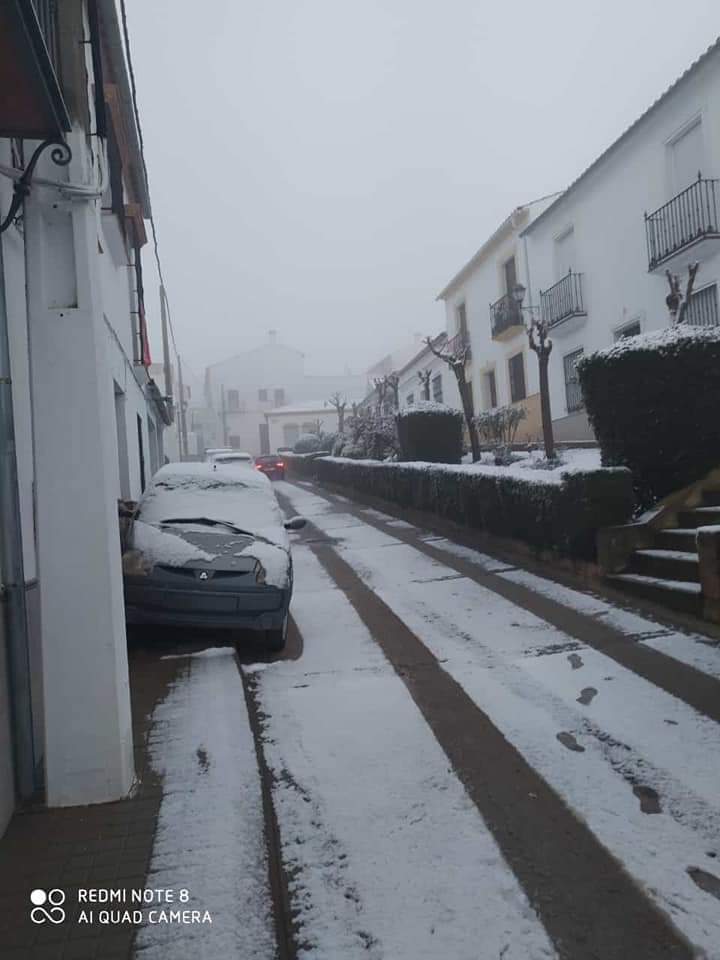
(562, 514)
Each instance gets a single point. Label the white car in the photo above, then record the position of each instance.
(208, 547)
(234, 458)
(214, 451)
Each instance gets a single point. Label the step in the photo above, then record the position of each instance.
(666, 564)
(711, 498)
(676, 594)
(681, 538)
(699, 517)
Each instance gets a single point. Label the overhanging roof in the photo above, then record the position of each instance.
(692, 69)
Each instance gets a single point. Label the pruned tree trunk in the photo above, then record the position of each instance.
(548, 437)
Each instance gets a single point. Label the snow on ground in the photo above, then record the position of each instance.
(632, 740)
(210, 831)
(389, 856)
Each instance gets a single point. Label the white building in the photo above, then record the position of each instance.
(86, 416)
(650, 202)
(286, 424)
(481, 310)
(442, 383)
(593, 259)
(243, 389)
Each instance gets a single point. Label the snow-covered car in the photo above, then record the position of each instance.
(208, 547)
(214, 451)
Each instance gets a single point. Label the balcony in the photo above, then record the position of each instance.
(455, 345)
(506, 318)
(563, 300)
(686, 228)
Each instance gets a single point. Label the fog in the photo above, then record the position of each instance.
(323, 167)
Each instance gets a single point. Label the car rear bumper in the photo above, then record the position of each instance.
(263, 608)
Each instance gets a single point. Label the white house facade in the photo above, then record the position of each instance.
(481, 312)
(441, 381)
(86, 420)
(649, 203)
(244, 389)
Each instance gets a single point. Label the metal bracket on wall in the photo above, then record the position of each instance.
(61, 155)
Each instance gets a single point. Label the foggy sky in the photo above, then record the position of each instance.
(323, 167)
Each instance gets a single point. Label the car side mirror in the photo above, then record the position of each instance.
(295, 523)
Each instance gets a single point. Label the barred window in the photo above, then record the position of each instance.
(702, 309)
(437, 390)
(573, 393)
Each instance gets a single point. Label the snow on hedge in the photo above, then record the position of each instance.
(664, 341)
(526, 468)
(431, 407)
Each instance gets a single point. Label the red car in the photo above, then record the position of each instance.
(272, 467)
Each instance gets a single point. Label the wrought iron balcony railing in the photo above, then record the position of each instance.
(685, 220)
(505, 313)
(563, 299)
(455, 345)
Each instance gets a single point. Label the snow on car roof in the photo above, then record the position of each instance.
(191, 490)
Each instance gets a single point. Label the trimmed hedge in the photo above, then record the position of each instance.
(430, 432)
(563, 517)
(653, 402)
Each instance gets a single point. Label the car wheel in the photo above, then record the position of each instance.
(276, 639)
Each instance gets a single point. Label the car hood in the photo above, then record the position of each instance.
(175, 545)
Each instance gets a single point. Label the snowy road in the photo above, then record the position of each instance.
(469, 761)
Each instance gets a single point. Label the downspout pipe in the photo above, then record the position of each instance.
(13, 574)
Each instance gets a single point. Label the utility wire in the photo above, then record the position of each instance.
(163, 293)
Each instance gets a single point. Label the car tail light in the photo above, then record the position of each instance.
(279, 464)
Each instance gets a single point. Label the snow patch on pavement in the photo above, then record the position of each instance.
(210, 830)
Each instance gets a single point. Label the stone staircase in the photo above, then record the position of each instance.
(668, 571)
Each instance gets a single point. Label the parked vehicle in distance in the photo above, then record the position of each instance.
(213, 451)
(234, 458)
(208, 547)
(272, 467)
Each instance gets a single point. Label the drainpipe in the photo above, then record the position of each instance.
(12, 588)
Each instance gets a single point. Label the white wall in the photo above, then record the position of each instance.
(278, 421)
(606, 211)
(410, 383)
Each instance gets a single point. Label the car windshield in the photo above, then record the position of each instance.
(203, 521)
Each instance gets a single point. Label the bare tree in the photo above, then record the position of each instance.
(456, 360)
(424, 376)
(381, 388)
(393, 382)
(537, 330)
(339, 403)
(677, 302)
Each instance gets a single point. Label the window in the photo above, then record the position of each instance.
(233, 399)
(234, 441)
(490, 390)
(279, 397)
(702, 310)
(573, 394)
(437, 391)
(262, 395)
(631, 329)
(291, 433)
(410, 399)
(141, 451)
(516, 372)
(311, 426)
(461, 317)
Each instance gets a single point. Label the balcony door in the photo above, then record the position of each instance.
(565, 253)
(510, 272)
(686, 157)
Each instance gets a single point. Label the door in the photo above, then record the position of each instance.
(564, 254)
(510, 271)
(686, 158)
(264, 439)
